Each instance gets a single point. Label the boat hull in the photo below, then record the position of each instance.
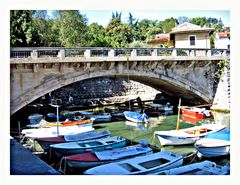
(85, 146)
(214, 151)
(82, 136)
(139, 165)
(115, 155)
(200, 168)
(174, 140)
(188, 135)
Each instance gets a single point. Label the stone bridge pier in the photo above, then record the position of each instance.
(36, 72)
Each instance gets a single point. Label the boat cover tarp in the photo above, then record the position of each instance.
(83, 157)
(120, 152)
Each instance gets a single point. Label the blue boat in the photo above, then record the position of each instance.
(136, 117)
(214, 144)
(200, 168)
(143, 165)
(65, 149)
(88, 160)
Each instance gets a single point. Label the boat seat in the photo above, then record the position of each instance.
(87, 145)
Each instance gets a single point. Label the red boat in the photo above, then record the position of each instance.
(194, 114)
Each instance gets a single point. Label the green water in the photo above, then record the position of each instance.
(135, 132)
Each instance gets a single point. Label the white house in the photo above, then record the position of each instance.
(189, 35)
(222, 40)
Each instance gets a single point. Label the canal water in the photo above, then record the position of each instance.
(136, 132)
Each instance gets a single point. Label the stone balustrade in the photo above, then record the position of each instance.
(62, 53)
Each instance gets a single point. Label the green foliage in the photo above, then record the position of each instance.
(68, 28)
(97, 36)
(118, 34)
(72, 28)
(221, 65)
(168, 24)
(138, 44)
(22, 32)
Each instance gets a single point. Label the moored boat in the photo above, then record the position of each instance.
(44, 123)
(88, 160)
(214, 144)
(161, 107)
(200, 168)
(65, 149)
(136, 117)
(101, 117)
(188, 135)
(139, 165)
(55, 131)
(45, 142)
(194, 114)
(35, 118)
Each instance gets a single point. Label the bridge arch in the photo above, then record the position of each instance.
(164, 83)
(33, 76)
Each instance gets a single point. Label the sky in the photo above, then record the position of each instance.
(103, 17)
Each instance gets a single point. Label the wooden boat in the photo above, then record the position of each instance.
(45, 142)
(194, 114)
(101, 117)
(65, 149)
(136, 117)
(88, 160)
(200, 168)
(44, 123)
(54, 131)
(147, 164)
(214, 144)
(187, 135)
(35, 118)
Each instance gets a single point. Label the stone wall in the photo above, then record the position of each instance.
(118, 88)
(222, 97)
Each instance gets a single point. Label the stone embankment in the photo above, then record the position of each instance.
(221, 104)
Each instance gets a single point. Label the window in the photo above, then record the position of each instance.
(192, 39)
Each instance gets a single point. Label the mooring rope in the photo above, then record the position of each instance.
(63, 160)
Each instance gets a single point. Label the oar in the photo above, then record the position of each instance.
(178, 118)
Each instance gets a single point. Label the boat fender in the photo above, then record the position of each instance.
(143, 142)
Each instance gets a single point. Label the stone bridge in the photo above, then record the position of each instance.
(186, 73)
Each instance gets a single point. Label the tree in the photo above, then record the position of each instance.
(42, 26)
(72, 28)
(118, 34)
(168, 24)
(22, 32)
(97, 36)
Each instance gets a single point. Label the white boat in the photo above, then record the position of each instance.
(55, 131)
(200, 168)
(88, 160)
(70, 148)
(136, 117)
(139, 165)
(214, 144)
(188, 135)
